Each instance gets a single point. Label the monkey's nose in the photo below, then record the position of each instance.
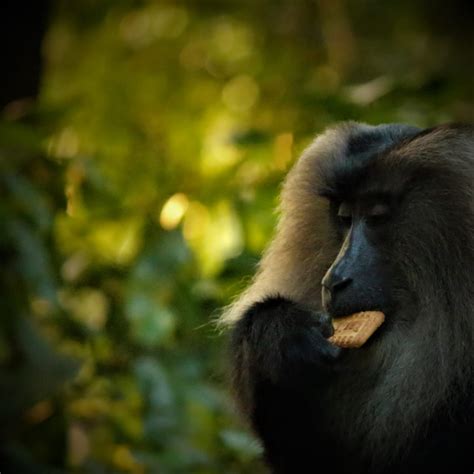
(332, 295)
(333, 282)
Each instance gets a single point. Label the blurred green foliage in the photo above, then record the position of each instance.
(138, 193)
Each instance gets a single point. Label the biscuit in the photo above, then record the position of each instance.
(354, 330)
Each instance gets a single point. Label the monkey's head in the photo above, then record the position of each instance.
(399, 205)
(375, 218)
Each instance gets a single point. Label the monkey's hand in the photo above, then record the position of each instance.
(284, 343)
(282, 363)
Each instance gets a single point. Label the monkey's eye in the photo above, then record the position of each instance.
(344, 213)
(378, 214)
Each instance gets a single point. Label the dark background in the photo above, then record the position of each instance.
(142, 144)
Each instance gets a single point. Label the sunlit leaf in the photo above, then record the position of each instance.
(88, 306)
(214, 234)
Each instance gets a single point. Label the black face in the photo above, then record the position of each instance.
(359, 278)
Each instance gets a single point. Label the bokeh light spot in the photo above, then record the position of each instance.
(240, 93)
(173, 211)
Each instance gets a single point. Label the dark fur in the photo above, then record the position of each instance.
(403, 402)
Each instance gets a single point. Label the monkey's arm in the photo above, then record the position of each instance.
(282, 360)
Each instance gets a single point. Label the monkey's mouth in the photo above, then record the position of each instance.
(340, 310)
